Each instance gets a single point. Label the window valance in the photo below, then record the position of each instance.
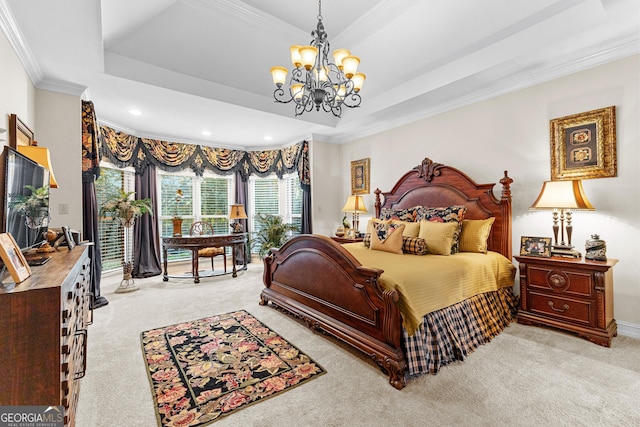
(127, 150)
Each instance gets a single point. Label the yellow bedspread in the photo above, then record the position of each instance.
(431, 282)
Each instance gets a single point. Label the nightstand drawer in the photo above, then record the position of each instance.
(572, 310)
(564, 281)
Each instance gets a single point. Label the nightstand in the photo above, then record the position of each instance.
(567, 293)
(346, 239)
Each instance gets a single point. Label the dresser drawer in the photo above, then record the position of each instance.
(567, 282)
(568, 309)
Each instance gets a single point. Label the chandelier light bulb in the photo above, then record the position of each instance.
(296, 60)
(358, 81)
(350, 65)
(308, 56)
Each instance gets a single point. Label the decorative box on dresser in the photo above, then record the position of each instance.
(43, 333)
(567, 293)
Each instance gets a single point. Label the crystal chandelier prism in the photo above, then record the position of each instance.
(317, 82)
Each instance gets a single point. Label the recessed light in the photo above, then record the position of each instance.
(206, 133)
(268, 138)
(135, 112)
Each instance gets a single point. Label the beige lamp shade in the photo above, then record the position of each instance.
(339, 55)
(308, 56)
(237, 212)
(354, 204)
(562, 195)
(41, 156)
(296, 59)
(279, 75)
(358, 81)
(350, 64)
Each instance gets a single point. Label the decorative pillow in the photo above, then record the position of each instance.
(474, 234)
(387, 237)
(438, 235)
(367, 235)
(411, 229)
(414, 245)
(408, 214)
(453, 213)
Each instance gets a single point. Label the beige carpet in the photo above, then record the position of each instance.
(527, 376)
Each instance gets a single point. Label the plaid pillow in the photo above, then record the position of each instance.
(414, 246)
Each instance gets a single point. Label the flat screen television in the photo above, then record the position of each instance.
(18, 171)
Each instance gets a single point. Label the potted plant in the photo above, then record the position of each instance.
(35, 207)
(272, 233)
(124, 208)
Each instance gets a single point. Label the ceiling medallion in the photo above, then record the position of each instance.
(317, 82)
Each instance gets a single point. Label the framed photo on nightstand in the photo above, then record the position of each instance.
(535, 246)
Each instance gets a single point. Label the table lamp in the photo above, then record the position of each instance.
(355, 205)
(41, 156)
(562, 197)
(237, 212)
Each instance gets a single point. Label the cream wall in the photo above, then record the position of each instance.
(512, 132)
(59, 128)
(17, 93)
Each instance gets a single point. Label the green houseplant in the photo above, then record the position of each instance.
(125, 209)
(35, 207)
(272, 233)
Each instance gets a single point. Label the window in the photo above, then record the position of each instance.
(273, 196)
(204, 198)
(110, 233)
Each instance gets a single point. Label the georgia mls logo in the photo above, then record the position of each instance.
(31, 416)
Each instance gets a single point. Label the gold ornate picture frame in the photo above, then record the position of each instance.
(583, 145)
(360, 176)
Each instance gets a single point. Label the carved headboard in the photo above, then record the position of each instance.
(436, 185)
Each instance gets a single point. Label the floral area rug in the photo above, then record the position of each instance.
(205, 369)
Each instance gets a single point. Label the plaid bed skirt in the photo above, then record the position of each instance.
(454, 332)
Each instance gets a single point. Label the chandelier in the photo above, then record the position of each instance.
(317, 82)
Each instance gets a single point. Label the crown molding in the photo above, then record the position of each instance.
(11, 30)
(61, 86)
(624, 48)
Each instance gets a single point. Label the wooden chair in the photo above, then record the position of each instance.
(204, 228)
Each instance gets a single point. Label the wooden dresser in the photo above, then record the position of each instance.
(572, 294)
(43, 333)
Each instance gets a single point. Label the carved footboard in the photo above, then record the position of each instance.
(314, 279)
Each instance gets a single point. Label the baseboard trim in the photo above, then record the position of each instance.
(628, 329)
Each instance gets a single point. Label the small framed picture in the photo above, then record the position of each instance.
(13, 259)
(535, 246)
(68, 237)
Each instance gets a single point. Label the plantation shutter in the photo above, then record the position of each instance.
(110, 233)
(294, 201)
(214, 199)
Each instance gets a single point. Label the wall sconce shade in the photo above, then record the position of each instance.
(563, 196)
(41, 156)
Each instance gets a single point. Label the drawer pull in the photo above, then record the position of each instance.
(559, 310)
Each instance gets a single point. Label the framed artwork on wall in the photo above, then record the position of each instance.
(535, 246)
(19, 132)
(583, 145)
(360, 176)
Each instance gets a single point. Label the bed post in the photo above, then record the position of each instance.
(377, 203)
(505, 202)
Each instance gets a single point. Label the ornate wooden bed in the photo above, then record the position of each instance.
(315, 279)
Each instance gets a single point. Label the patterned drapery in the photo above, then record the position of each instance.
(126, 150)
(90, 143)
